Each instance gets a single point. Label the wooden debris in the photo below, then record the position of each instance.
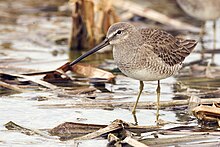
(79, 131)
(119, 127)
(141, 129)
(127, 105)
(90, 22)
(28, 131)
(80, 90)
(38, 81)
(113, 141)
(133, 142)
(114, 126)
(203, 144)
(210, 94)
(69, 130)
(154, 15)
(82, 35)
(119, 133)
(12, 87)
(189, 132)
(32, 79)
(172, 141)
(207, 113)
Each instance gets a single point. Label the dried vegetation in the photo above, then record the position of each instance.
(196, 89)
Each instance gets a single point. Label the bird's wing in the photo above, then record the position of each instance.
(170, 49)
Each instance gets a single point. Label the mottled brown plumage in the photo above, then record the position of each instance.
(172, 50)
(147, 54)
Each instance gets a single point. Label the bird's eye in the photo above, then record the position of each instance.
(119, 32)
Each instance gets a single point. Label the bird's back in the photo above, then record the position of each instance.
(169, 49)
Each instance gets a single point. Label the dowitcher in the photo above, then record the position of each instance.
(144, 54)
(203, 10)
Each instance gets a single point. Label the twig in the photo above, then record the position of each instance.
(127, 105)
(13, 126)
(33, 79)
(69, 130)
(176, 140)
(80, 91)
(133, 142)
(113, 141)
(166, 132)
(115, 125)
(12, 87)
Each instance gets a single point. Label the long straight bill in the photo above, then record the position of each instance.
(95, 49)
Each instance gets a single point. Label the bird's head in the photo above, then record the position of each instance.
(117, 33)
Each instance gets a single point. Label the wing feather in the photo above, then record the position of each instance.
(170, 49)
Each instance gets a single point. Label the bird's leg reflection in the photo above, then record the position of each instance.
(158, 100)
(135, 119)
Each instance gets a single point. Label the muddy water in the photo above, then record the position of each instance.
(28, 40)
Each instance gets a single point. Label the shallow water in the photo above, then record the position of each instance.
(28, 43)
(21, 110)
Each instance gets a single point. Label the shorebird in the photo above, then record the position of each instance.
(144, 54)
(203, 10)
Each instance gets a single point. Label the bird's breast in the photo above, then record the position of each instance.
(142, 66)
(124, 54)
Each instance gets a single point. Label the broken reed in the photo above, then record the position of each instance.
(90, 22)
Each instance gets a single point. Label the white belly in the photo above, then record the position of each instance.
(145, 75)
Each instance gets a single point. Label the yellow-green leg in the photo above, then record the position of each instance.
(214, 40)
(139, 94)
(158, 100)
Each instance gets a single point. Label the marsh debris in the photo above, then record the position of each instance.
(28, 131)
(120, 133)
(90, 21)
(39, 90)
(208, 114)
